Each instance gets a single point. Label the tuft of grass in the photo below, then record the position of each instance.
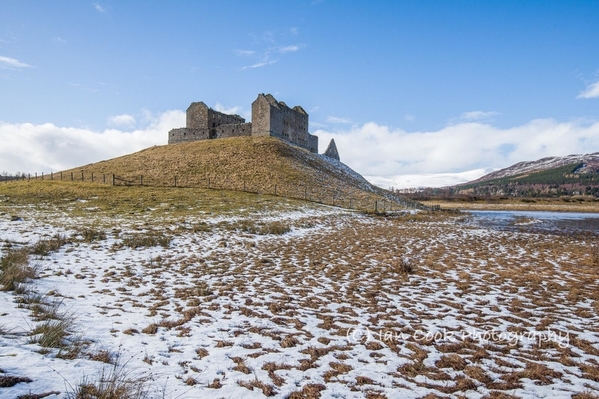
(202, 352)
(267, 389)
(289, 342)
(15, 270)
(240, 365)
(92, 234)
(146, 240)
(587, 394)
(264, 228)
(404, 266)
(115, 383)
(309, 391)
(46, 309)
(590, 371)
(45, 247)
(7, 381)
(103, 356)
(151, 329)
(595, 255)
(453, 361)
(215, 384)
(52, 333)
(38, 395)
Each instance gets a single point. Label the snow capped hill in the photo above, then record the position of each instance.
(590, 164)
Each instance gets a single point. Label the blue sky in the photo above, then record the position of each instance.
(405, 87)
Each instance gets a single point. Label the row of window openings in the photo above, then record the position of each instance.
(194, 133)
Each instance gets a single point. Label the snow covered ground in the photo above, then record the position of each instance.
(301, 303)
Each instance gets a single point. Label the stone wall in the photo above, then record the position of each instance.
(313, 143)
(236, 130)
(184, 135)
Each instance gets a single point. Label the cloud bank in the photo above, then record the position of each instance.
(44, 148)
(456, 153)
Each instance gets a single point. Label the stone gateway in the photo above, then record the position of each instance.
(269, 118)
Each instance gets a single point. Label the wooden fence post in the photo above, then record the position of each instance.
(376, 206)
(42, 175)
(275, 189)
(71, 176)
(113, 179)
(35, 175)
(175, 181)
(60, 176)
(141, 180)
(104, 178)
(92, 177)
(208, 182)
(244, 185)
(82, 177)
(51, 175)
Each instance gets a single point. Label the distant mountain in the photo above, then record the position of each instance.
(589, 163)
(551, 176)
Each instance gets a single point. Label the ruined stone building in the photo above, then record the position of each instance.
(269, 118)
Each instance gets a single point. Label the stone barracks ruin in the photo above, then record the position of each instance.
(269, 118)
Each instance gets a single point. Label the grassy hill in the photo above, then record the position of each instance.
(257, 164)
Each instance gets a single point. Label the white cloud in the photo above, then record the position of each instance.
(334, 119)
(478, 115)
(245, 52)
(591, 91)
(317, 125)
(259, 64)
(376, 150)
(125, 121)
(35, 148)
(99, 8)
(8, 62)
(409, 117)
(230, 110)
(59, 40)
(289, 49)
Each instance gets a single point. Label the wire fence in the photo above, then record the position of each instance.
(378, 201)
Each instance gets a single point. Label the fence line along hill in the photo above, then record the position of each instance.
(256, 164)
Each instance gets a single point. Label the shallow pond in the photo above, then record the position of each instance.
(536, 221)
